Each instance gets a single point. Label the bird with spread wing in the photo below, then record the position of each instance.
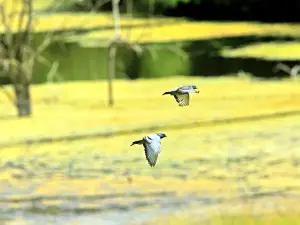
(152, 146)
(182, 94)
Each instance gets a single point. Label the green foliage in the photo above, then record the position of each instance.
(171, 3)
(164, 61)
(139, 5)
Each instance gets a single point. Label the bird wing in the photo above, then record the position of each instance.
(174, 90)
(138, 142)
(152, 149)
(148, 139)
(185, 87)
(183, 99)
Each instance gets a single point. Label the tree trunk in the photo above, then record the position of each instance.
(112, 51)
(22, 81)
(23, 99)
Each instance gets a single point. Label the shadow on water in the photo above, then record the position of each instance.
(205, 59)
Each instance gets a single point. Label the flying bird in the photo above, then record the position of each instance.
(182, 94)
(152, 146)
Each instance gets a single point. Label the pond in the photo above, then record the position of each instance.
(70, 61)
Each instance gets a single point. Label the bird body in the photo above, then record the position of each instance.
(182, 94)
(152, 146)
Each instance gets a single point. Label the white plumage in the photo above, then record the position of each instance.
(152, 147)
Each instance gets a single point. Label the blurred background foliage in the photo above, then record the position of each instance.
(83, 29)
(236, 148)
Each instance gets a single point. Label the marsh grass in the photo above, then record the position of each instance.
(79, 21)
(145, 30)
(78, 107)
(264, 211)
(187, 31)
(267, 51)
(269, 218)
(199, 166)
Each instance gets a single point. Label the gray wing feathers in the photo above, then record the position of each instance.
(187, 89)
(184, 89)
(182, 100)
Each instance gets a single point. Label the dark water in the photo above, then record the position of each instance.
(206, 60)
(236, 10)
(195, 58)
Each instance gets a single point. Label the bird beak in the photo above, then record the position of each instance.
(164, 93)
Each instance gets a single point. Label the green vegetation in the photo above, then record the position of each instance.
(16, 5)
(76, 53)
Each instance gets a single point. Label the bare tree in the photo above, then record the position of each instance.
(17, 56)
(117, 40)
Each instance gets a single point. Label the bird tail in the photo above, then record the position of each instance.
(166, 93)
(139, 142)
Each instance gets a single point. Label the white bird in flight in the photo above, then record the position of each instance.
(182, 94)
(152, 146)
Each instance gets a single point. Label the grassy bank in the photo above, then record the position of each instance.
(267, 51)
(58, 108)
(200, 167)
(247, 217)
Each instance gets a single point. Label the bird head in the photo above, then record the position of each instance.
(162, 135)
(195, 87)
